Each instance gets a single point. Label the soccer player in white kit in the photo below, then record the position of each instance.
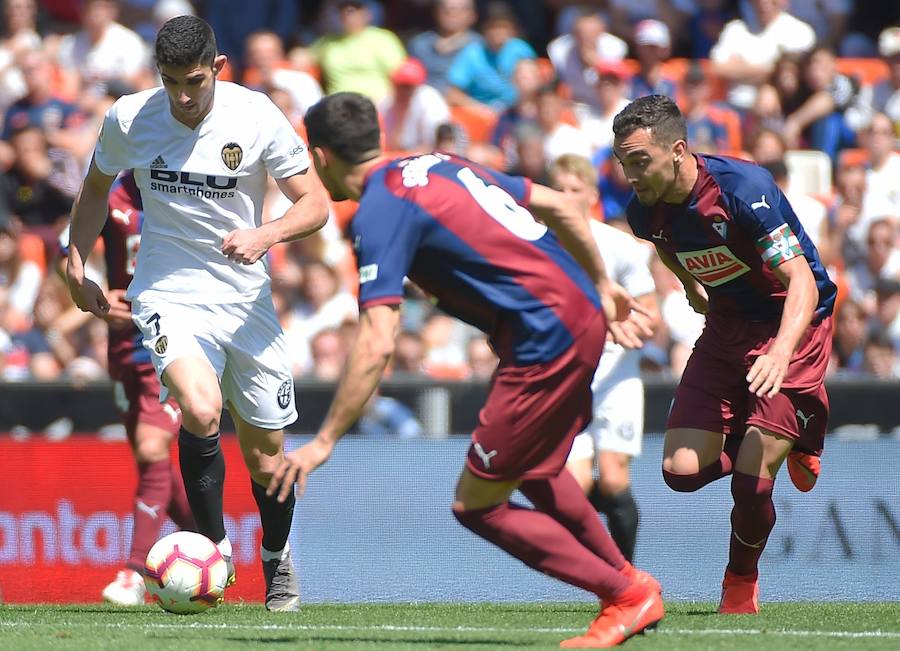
(616, 431)
(201, 151)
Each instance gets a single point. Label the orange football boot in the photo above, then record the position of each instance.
(639, 576)
(740, 594)
(804, 470)
(637, 609)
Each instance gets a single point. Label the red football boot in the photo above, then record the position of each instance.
(804, 470)
(640, 576)
(634, 611)
(740, 594)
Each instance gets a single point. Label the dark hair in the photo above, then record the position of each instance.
(347, 124)
(185, 41)
(655, 112)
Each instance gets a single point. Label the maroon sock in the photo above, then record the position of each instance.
(153, 492)
(697, 480)
(179, 509)
(752, 519)
(563, 500)
(541, 542)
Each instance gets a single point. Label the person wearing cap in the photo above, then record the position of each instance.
(653, 46)
(886, 94)
(438, 47)
(611, 91)
(413, 112)
(361, 57)
(482, 71)
(576, 54)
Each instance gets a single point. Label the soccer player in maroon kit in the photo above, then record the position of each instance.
(467, 235)
(752, 394)
(149, 424)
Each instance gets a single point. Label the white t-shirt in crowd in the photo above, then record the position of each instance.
(582, 80)
(120, 52)
(197, 185)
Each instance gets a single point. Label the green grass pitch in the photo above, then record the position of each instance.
(470, 627)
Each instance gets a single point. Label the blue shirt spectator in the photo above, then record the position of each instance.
(437, 48)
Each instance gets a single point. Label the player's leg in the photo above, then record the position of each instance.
(761, 455)
(612, 496)
(263, 451)
(581, 461)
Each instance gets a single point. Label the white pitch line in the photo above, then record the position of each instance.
(455, 629)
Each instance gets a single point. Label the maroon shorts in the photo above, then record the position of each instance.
(137, 396)
(532, 414)
(713, 393)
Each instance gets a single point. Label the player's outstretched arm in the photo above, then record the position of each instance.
(365, 365)
(768, 370)
(88, 217)
(308, 214)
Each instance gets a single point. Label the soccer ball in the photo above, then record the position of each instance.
(185, 573)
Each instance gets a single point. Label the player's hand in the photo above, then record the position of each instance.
(119, 314)
(627, 320)
(245, 245)
(698, 302)
(86, 294)
(296, 468)
(767, 373)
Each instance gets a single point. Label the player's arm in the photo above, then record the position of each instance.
(378, 327)
(88, 216)
(308, 214)
(695, 295)
(768, 371)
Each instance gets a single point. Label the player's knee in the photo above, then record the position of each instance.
(201, 416)
(613, 485)
(262, 467)
(682, 482)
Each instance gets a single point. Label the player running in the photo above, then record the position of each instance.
(616, 430)
(200, 150)
(465, 235)
(752, 394)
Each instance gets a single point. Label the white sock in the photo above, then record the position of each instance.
(225, 547)
(266, 555)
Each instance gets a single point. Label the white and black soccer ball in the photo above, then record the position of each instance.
(185, 573)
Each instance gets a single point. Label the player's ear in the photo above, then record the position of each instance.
(679, 149)
(219, 63)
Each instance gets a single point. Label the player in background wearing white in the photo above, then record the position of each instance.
(615, 433)
(201, 294)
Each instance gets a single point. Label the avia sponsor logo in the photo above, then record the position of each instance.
(712, 267)
(95, 538)
(192, 184)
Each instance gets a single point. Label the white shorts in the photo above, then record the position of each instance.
(618, 422)
(243, 342)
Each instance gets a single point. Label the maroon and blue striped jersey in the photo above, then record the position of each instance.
(464, 234)
(733, 230)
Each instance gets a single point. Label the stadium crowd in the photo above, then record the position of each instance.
(810, 90)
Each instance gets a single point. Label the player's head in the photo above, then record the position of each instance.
(650, 141)
(343, 132)
(188, 64)
(574, 175)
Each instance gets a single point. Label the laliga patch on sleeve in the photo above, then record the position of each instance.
(368, 273)
(778, 246)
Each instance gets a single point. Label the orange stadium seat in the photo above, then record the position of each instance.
(868, 71)
(478, 122)
(853, 157)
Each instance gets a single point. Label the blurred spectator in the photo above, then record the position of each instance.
(527, 81)
(328, 355)
(615, 190)
(850, 336)
(707, 127)
(385, 417)
(653, 46)
(626, 14)
(887, 295)
(845, 212)
(682, 326)
(882, 261)
(782, 94)
(451, 138)
(361, 57)
(880, 359)
(480, 358)
(828, 18)
(234, 20)
(409, 353)
(103, 49)
(482, 72)
(20, 279)
(560, 137)
(267, 68)
(437, 48)
(745, 55)
(886, 94)
(882, 198)
(575, 55)
(530, 159)
(445, 357)
(325, 303)
(412, 113)
(40, 107)
(810, 211)
(766, 145)
(706, 19)
(611, 91)
(20, 36)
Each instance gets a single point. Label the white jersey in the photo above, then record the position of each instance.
(197, 185)
(627, 263)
